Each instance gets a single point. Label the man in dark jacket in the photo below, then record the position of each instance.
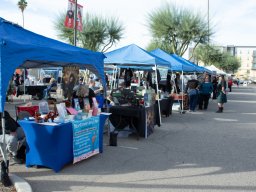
(192, 90)
(14, 137)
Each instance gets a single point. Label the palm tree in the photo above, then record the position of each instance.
(22, 4)
(173, 29)
(99, 34)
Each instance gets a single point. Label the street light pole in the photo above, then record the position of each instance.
(208, 14)
(75, 18)
(208, 30)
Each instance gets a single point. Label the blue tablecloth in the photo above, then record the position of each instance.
(52, 146)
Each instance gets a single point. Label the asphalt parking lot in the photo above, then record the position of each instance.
(197, 151)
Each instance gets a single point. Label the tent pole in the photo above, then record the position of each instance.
(3, 146)
(182, 84)
(4, 164)
(24, 79)
(119, 74)
(115, 83)
(111, 82)
(157, 96)
(114, 78)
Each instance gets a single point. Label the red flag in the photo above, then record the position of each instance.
(69, 21)
(79, 21)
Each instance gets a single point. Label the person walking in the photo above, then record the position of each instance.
(237, 82)
(221, 93)
(214, 84)
(192, 90)
(230, 83)
(205, 91)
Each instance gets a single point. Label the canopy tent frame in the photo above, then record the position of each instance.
(133, 55)
(20, 48)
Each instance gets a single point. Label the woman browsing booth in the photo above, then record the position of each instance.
(221, 93)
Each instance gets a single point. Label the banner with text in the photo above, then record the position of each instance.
(69, 20)
(85, 138)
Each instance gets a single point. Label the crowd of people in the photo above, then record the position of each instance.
(199, 91)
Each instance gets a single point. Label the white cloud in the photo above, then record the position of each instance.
(234, 19)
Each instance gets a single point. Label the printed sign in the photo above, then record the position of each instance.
(85, 138)
(70, 79)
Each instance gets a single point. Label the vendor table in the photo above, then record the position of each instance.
(181, 98)
(142, 119)
(52, 146)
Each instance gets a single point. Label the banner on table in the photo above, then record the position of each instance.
(85, 138)
(70, 16)
(150, 120)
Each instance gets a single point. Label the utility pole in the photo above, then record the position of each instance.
(208, 30)
(208, 14)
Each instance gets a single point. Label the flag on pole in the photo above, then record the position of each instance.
(70, 16)
(79, 21)
(69, 21)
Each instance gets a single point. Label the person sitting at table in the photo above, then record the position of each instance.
(53, 83)
(81, 92)
(14, 137)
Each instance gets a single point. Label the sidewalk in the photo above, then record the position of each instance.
(200, 151)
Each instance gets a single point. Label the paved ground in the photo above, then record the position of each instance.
(200, 151)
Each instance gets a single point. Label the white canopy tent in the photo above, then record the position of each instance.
(215, 69)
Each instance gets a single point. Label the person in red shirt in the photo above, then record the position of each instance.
(230, 83)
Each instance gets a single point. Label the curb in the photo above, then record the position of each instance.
(20, 184)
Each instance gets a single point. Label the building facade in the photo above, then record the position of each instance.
(247, 57)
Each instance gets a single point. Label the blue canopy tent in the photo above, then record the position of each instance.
(176, 63)
(196, 67)
(133, 55)
(20, 48)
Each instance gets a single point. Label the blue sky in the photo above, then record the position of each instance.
(233, 20)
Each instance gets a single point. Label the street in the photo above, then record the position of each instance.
(195, 151)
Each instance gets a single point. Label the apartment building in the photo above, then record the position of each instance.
(247, 57)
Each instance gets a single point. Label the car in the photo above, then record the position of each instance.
(241, 81)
